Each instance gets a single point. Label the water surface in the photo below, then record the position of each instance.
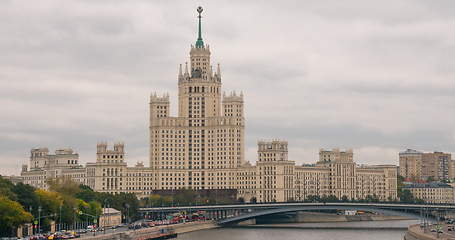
(378, 230)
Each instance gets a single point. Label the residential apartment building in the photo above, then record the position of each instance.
(416, 165)
(275, 178)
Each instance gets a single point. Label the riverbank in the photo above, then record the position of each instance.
(415, 232)
(179, 228)
(194, 226)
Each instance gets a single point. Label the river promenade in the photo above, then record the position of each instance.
(146, 232)
(415, 232)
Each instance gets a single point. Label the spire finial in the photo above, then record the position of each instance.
(199, 42)
(186, 69)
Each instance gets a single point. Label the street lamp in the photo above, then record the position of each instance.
(60, 219)
(105, 217)
(39, 219)
(74, 220)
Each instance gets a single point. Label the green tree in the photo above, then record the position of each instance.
(313, 198)
(86, 193)
(6, 189)
(406, 196)
(12, 214)
(330, 198)
(26, 196)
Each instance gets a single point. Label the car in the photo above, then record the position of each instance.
(440, 231)
(433, 230)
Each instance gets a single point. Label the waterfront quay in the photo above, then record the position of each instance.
(430, 232)
(157, 232)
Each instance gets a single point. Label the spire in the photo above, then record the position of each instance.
(180, 71)
(186, 70)
(199, 42)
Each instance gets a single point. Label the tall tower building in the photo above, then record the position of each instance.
(203, 146)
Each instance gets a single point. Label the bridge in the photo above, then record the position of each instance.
(235, 213)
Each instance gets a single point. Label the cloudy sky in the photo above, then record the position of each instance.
(375, 76)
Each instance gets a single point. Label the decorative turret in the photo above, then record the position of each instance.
(199, 42)
(232, 97)
(272, 150)
(180, 73)
(159, 106)
(187, 74)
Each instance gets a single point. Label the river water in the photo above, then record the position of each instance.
(371, 230)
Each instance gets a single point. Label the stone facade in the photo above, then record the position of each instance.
(433, 192)
(276, 179)
(203, 146)
(110, 217)
(109, 173)
(45, 166)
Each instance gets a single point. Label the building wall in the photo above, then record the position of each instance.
(110, 217)
(433, 194)
(203, 147)
(342, 172)
(410, 164)
(417, 165)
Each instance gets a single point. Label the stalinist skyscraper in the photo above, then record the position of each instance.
(203, 146)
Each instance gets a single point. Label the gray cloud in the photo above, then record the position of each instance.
(374, 76)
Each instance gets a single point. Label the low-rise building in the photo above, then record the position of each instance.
(274, 178)
(110, 217)
(433, 192)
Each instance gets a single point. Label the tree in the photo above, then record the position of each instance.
(26, 196)
(241, 200)
(5, 189)
(313, 198)
(406, 196)
(50, 203)
(345, 198)
(12, 214)
(330, 198)
(371, 198)
(65, 186)
(253, 200)
(86, 193)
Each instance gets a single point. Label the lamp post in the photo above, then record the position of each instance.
(39, 219)
(60, 219)
(74, 220)
(105, 217)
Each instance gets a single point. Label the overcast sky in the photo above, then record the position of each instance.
(375, 76)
